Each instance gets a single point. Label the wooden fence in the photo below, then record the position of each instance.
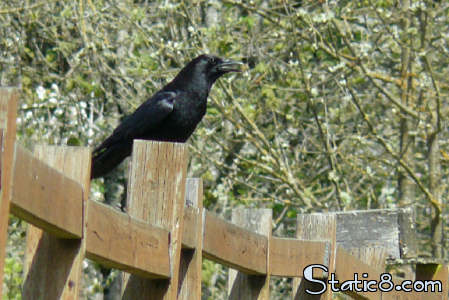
(161, 240)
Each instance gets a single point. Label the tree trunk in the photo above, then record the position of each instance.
(405, 184)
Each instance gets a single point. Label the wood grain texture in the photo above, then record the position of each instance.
(372, 256)
(234, 246)
(53, 265)
(318, 227)
(191, 259)
(389, 229)
(289, 257)
(244, 286)
(347, 265)
(190, 236)
(119, 241)
(8, 112)
(45, 197)
(156, 195)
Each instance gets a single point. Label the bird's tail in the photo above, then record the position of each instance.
(106, 158)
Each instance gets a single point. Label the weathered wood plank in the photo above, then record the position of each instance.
(316, 227)
(191, 259)
(347, 265)
(53, 266)
(45, 197)
(390, 229)
(189, 235)
(244, 286)
(8, 112)
(48, 266)
(289, 257)
(119, 241)
(407, 233)
(375, 257)
(156, 195)
(234, 246)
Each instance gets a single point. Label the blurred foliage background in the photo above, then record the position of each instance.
(344, 104)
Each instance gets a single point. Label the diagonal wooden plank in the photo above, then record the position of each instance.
(117, 240)
(234, 246)
(289, 257)
(45, 197)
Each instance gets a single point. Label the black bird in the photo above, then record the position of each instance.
(170, 115)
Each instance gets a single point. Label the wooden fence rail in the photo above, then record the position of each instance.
(161, 240)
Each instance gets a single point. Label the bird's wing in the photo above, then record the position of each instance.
(147, 116)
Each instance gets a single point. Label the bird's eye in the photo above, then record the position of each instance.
(213, 61)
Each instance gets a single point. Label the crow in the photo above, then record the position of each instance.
(170, 115)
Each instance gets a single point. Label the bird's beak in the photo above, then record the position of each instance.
(230, 66)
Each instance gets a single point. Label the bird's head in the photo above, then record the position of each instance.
(207, 69)
(214, 66)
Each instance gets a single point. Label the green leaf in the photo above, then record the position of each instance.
(73, 141)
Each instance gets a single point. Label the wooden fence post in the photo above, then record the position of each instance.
(53, 266)
(8, 112)
(243, 286)
(156, 195)
(315, 227)
(191, 258)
